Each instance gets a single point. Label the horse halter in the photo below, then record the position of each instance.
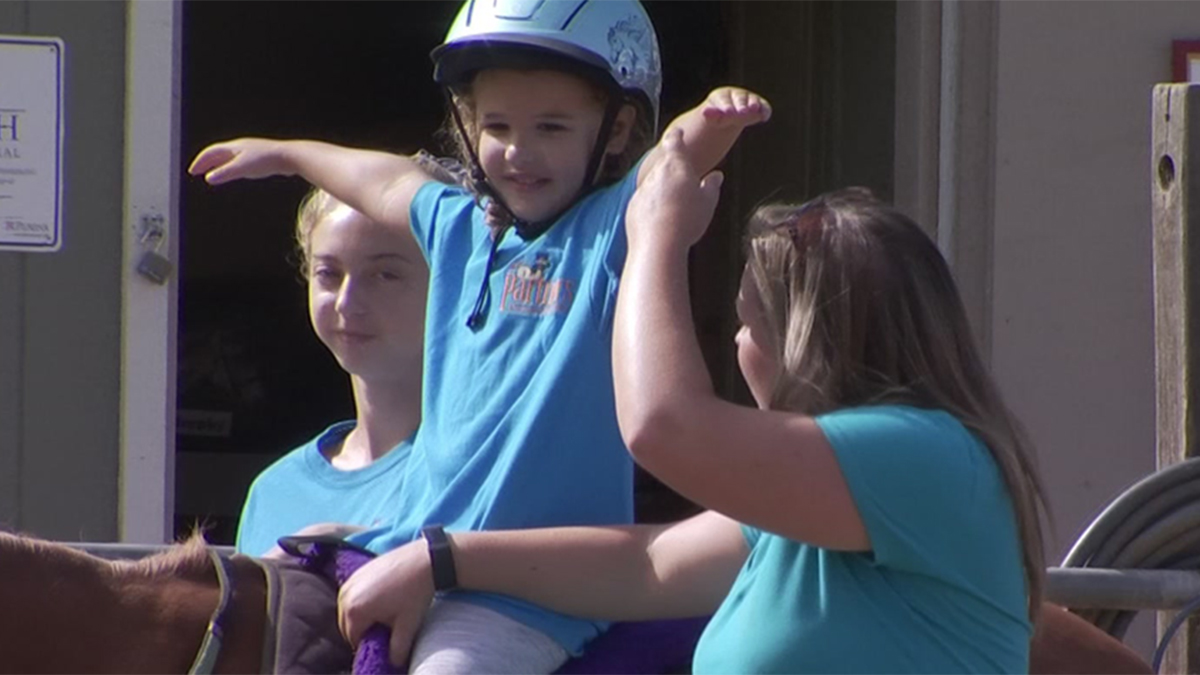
(214, 634)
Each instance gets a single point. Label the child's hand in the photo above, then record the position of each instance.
(728, 106)
(395, 590)
(240, 158)
(673, 204)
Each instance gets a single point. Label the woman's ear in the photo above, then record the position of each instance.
(622, 128)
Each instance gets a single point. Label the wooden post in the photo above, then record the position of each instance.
(1175, 204)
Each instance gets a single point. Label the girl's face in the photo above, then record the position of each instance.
(536, 133)
(366, 295)
(754, 343)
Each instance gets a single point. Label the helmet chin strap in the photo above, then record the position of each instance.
(479, 181)
(603, 136)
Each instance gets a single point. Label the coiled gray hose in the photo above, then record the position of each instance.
(1153, 524)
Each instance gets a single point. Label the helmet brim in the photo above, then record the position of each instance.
(456, 63)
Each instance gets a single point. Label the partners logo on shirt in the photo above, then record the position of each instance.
(532, 287)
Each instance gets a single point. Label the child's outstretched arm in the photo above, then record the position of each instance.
(379, 184)
(710, 129)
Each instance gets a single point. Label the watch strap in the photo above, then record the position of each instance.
(441, 558)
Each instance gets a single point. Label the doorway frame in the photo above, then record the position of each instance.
(149, 309)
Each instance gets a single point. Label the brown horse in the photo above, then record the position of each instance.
(1065, 644)
(64, 611)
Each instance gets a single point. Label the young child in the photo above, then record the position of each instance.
(366, 301)
(555, 103)
(876, 513)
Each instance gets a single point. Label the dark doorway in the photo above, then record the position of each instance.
(254, 382)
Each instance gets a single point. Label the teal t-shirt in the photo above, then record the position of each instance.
(302, 488)
(941, 591)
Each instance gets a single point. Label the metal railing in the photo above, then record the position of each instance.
(1074, 587)
(1121, 589)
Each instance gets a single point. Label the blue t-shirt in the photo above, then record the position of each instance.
(941, 591)
(519, 425)
(302, 488)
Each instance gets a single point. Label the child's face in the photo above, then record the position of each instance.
(536, 134)
(366, 295)
(754, 343)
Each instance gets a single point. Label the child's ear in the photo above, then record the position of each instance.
(622, 128)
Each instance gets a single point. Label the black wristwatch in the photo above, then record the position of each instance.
(441, 558)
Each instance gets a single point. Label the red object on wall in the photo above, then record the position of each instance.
(1183, 51)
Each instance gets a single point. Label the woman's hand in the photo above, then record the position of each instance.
(673, 204)
(394, 589)
(241, 158)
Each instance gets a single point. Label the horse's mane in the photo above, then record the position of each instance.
(23, 544)
(188, 559)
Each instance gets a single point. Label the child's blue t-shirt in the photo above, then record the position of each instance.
(302, 488)
(941, 591)
(519, 425)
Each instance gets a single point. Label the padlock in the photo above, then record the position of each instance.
(155, 267)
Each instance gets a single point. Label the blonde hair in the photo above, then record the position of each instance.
(865, 311)
(315, 207)
(613, 167)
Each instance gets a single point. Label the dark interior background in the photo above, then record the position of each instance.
(255, 382)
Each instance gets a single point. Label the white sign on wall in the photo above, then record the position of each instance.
(31, 133)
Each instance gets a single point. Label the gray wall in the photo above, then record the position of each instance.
(1072, 322)
(60, 313)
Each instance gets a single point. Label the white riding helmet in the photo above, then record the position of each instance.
(609, 41)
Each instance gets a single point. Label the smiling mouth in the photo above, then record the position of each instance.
(526, 182)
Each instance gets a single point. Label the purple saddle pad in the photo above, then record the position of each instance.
(337, 560)
(640, 648)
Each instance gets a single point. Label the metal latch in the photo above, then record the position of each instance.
(151, 264)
